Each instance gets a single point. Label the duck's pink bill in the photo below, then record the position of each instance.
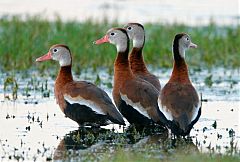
(44, 57)
(102, 40)
(192, 45)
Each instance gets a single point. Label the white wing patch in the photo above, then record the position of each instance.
(195, 111)
(137, 106)
(82, 101)
(164, 110)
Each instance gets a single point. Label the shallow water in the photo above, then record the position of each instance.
(190, 12)
(34, 127)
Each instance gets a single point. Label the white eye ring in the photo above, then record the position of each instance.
(187, 39)
(112, 34)
(129, 28)
(55, 50)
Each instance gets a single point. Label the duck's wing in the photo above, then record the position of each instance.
(88, 94)
(142, 96)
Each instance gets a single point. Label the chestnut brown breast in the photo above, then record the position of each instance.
(135, 98)
(139, 68)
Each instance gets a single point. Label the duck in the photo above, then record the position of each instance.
(179, 100)
(81, 101)
(135, 98)
(136, 33)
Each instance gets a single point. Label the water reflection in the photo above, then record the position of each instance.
(82, 140)
(91, 144)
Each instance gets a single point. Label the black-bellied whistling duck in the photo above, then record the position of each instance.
(135, 98)
(137, 34)
(178, 100)
(81, 101)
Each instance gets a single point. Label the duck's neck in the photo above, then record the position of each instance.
(122, 70)
(137, 61)
(122, 67)
(64, 76)
(122, 73)
(180, 69)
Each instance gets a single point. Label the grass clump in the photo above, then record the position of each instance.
(22, 41)
(122, 155)
(10, 84)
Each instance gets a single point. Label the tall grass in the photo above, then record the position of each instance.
(22, 41)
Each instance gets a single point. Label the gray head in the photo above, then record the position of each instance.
(136, 33)
(181, 43)
(58, 52)
(116, 36)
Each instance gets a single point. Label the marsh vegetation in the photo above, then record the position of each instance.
(34, 128)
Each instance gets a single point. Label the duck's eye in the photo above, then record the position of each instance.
(112, 34)
(129, 28)
(187, 39)
(55, 50)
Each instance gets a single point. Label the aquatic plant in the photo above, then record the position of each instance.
(11, 83)
(30, 37)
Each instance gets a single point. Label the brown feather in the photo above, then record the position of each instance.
(89, 91)
(136, 89)
(65, 85)
(139, 68)
(64, 77)
(178, 96)
(179, 99)
(140, 91)
(180, 72)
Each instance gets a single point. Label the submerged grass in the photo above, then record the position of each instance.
(22, 41)
(104, 145)
(141, 157)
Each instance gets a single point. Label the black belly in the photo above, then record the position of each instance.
(133, 116)
(84, 115)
